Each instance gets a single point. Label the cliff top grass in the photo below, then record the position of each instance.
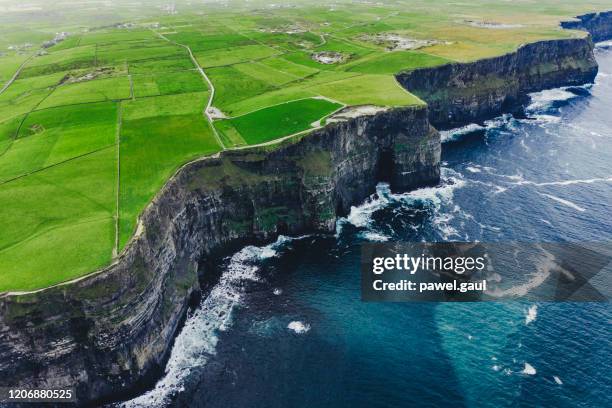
(94, 123)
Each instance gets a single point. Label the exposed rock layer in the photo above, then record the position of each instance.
(461, 93)
(598, 24)
(104, 333)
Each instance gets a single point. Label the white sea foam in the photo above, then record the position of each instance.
(457, 133)
(529, 370)
(360, 216)
(564, 202)
(532, 314)
(604, 44)
(569, 182)
(557, 380)
(505, 120)
(473, 169)
(299, 327)
(519, 180)
(374, 236)
(198, 339)
(434, 197)
(545, 99)
(277, 291)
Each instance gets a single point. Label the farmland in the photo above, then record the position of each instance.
(92, 127)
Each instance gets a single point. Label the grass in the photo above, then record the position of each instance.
(379, 90)
(51, 136)
(63, 60)
(168, 83)
(181, 104)
(60, 140)
(99, 90)
(24, 102)
(110, 55)
(199, 41)
(57, 224)
(277, 121)
(151, 150)
(228, 56)
(397, 61)
(160, 65)
(9, 65)
(233, 85)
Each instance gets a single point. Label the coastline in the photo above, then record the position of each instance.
(107, 331)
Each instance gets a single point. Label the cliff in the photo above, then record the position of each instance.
(598, 24)
(461, 93)
(105, 333)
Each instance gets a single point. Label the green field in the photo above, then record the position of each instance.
(93, 126)
(277, 121)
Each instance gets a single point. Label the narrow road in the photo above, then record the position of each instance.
(10, 81)
(117, 195)
(208, 81)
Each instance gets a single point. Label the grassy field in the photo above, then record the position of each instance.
(277, 121)
(94, 126)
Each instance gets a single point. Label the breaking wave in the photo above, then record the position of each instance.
(456, 134)
(198, 339)
(434, 198)
(544, 100)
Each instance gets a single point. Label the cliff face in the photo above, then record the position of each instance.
(104, 333)
(462, 93)
(598, 24)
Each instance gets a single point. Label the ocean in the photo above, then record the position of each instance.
(285, 325)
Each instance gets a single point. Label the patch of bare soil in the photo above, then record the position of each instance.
(352, 112)
(395, 42)
(215, 113)
(492, 25)
(329, 57)
(285, 29)
(74, 77)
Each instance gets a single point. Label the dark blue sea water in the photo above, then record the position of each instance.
(285, 326)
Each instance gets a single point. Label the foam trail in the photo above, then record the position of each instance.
(543, 268)
(564, 202)
(562, 182)
(198, 339)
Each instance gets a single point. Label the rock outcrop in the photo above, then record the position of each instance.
(462, 93)
(599, 25)
(105, 333)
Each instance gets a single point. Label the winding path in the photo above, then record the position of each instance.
(208, 81)
(15, 75)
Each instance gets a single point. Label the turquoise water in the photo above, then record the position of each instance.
(285, 326)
